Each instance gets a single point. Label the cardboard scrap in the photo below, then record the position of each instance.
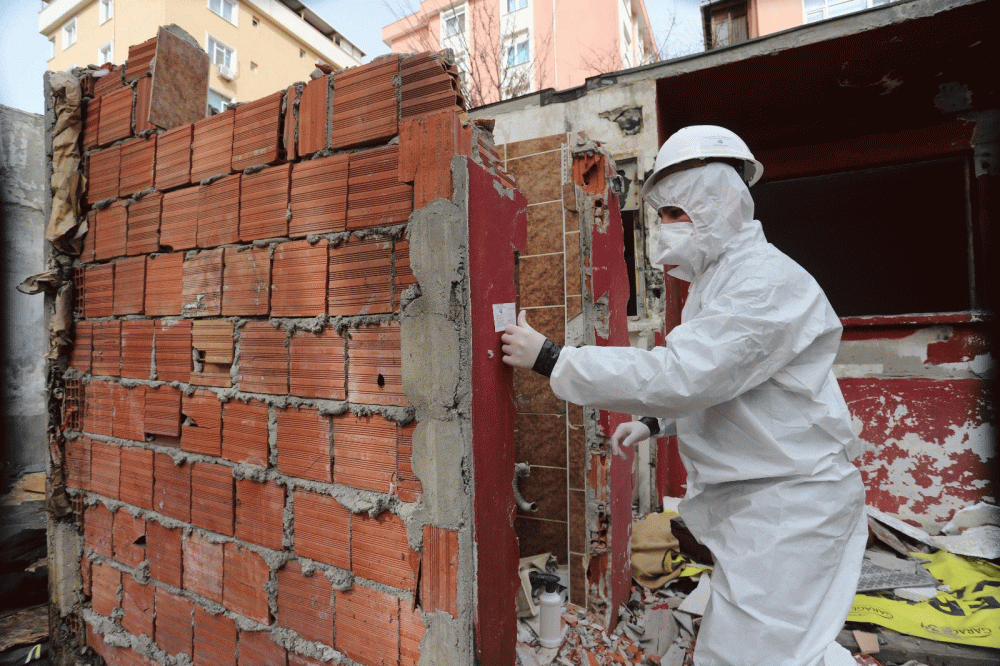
(67, 183)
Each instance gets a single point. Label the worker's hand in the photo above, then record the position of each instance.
(628, 434)
(521, 343)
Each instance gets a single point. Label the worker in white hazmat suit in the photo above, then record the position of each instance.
(745, 381)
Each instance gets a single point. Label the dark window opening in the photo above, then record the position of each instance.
(628, 227)
(882, 241)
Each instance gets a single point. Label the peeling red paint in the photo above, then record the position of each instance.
(964, 345)
(922, 460)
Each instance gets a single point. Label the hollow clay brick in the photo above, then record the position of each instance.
(137, 481)
(264, 203)
(143, 235)
(164, 280)
(214, 639)
(201, 430)
(316, 364)
(244, 432)
(375, 372)
(245, 577)
(102, 174)
(322, 529)
(260, 509)
(299, 279)
(171, 488)
(173, 350)
(212, 146)
(380, 550)
(174, 623)
(263, 364)
(98, 526)
(257, 132)
(203, 561)
(360, 275)
(362, 617)
(112, 235)
(246, 281)
(304, 449)
(212, 497)
(130, 286)
(173, 157)
(179, 219)
(130, 403)
(107, 348)
(137, 604)
(100, 282)
(137, 158)
(364, 452)
(163, 411)
(129, 533)
(319, 196)
(202, 290)
(219, 212)
(164, 551)
(314, 116)
(305, 603)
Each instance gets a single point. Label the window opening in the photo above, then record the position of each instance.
(220, 53)
(862, 235)
(105, 54)
(217, 102)
(514, 5)
(69, 33)
(227, 9)
(106, 10)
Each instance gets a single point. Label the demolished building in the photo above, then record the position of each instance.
(282, 430)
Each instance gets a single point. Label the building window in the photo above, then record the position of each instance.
(52, 48)
(514, 5)
(220, 53)
(106, 11)
(105, 54)
(518, 52)
(217, 102)
(817, 10)
(227, 9)
(453, 22)
(69, 33)
(861, 245)
(728, 23)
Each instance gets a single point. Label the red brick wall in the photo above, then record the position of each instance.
(241, 437)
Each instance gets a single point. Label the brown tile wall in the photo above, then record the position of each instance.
(549, 432)
(238, 369)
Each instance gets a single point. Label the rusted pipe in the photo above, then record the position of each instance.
(520, 470)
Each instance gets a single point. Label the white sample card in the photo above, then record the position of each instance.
(504, 314)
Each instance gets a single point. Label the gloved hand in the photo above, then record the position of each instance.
(628, 434)
(521, 343)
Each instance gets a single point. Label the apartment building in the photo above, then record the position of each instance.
(506, 48)
(727, 22)
(255, 47)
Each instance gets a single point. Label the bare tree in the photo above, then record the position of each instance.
(494, 62)
(668, 46)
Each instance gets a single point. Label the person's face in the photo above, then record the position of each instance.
(671, 214)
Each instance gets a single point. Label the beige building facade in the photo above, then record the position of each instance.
(255, 47)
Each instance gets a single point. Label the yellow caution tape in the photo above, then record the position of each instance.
(689, 568)
(969, 614)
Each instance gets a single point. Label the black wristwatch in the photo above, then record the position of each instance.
(652, 423)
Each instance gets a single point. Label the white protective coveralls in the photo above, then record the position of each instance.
(763, 431)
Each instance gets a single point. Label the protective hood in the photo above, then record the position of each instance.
(720, 207)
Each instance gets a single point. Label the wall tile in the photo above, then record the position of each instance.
(322, 529)
(364, 452)
(360, 274)
(299, 279)
(304, 444)
(362, 617)
(164, 282)
(245, 432)
(246, 281)
(202, 290)
(257, 132)
(263, 364)
(319, 196)
(179, 219)
(541, 279)
(173, 157)
(212, 497)
(264, 203)
(143, 236)
(212, 146)
(305, 603)
(316, 364)
(219, 211)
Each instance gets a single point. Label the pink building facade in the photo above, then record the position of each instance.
(506, 48)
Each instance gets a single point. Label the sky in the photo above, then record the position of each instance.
(24, 52)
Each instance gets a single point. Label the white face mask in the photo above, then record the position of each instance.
(673, 244)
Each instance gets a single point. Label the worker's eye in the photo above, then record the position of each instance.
(671, 212)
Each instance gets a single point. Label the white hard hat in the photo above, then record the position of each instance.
(703, 142)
